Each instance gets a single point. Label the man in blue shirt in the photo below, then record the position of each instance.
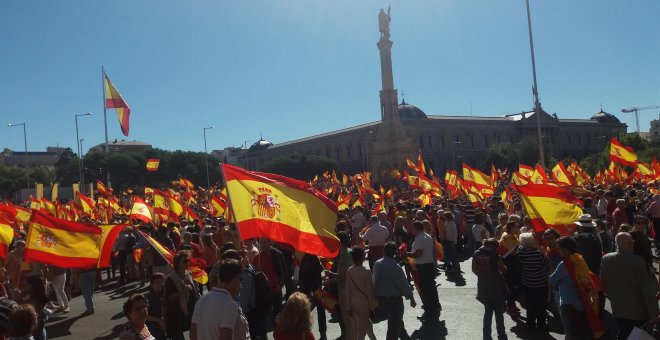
(391, 285)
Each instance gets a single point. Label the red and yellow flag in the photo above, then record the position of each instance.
(62, 243)
(109, 235)
(283, 209)
(6, 236)
(152, 164)
(196, 264)
(85, 203)
(113, 100)
(622, 154)
(584, 282)
(550, 206)
(219, 206)
(560, 175)
(102, 189)
(479, 180)
(140, 211)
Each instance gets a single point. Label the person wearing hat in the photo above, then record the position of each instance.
(588, 243)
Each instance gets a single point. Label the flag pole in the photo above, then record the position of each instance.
(105, 122)
(230, 207)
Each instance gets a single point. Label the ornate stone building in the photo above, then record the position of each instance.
(403, 129)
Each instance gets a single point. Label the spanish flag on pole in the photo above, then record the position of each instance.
(140, 211)
(85, 203)
(550, 206)
(622, 154)
(62, 243)
(282, 209)
(102, 189)
(113, 100)
(561, 175)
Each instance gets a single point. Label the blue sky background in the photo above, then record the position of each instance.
(294, 68)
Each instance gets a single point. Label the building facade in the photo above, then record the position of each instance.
(403, 129)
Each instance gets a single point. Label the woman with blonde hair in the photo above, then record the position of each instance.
(295, 320)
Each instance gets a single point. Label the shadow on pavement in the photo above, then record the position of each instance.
(456, 277)
(433, 329)
(60, 329)
(113, 335)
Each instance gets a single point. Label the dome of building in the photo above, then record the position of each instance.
(259, 145)
(407, 111)
(604, 117)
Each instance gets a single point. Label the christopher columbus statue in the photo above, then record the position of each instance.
(384, 23)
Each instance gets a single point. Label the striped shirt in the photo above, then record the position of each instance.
(533, 268)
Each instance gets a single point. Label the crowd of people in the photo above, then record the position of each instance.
(257, 286)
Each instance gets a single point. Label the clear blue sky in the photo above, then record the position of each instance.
(294, 68)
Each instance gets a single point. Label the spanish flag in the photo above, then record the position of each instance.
(525, 170)
(622, 154)
(283, 209)
(6, 236)
(140, 211)
(102, 189)
(62, 243)
(560, 175)
(196, 264)
(113, 100)
(550, 206)
(85, 203)
(219, 206)
(152, 164)
(586, 284)
(108, 237)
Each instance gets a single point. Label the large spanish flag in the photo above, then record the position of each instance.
(282, 209)
(550, 206)
(113, 100)
(622, 154)
(62, 243)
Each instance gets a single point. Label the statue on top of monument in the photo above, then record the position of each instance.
(384, 22)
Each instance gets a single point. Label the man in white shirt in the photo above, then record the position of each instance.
(217, 315)
(357, 223)
(423, 254)
(601, 204)
(376, 236)
(479, 231)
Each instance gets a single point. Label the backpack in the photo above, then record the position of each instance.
(262, 296)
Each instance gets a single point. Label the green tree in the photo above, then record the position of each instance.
(303, 167)
(501, 156)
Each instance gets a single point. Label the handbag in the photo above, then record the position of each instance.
(377, 315)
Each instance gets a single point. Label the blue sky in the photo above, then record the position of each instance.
(294, 68)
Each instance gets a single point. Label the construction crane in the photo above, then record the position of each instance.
(636, 111)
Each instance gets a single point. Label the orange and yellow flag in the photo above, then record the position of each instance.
(85, 203)
(219, 206)
(140, 211)
(622, 154)
(109, 235)
(62, 243)
(113, 100)
(6, 236)
(550, 206)
(283, 209)
(152, 164)
(560, 175)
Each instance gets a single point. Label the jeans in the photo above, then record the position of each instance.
(497, 308)
(86, 284)
(428, 291)
(393, 309)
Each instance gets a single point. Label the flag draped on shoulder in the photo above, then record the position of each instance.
(550, 206)
(621, 154)
(113, 100)
(62, 243)
(282, 209)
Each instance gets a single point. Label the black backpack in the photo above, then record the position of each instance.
(262, 296)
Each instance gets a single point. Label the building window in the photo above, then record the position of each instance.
(485, 141)
(442, 141)
(318, 152)
(457, 138)
(338, 150)
(348, 151)
(429, 143)
(499, 139)
(579, 140)
(327, 153)
(362, 145)
(511, 139)
(569, 140)
(472, 141)
(421, 142)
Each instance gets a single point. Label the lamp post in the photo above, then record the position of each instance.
(537, 102)
(246, 151)
(79, 148)
(81, 164)
(26, 156)
(206, 158)
(453, 152)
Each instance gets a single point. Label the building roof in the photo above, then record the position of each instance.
(326, 134)
(407, 111)
(604, 117)
(123, 143)
(261, 144)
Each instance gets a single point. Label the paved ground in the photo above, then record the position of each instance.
(461, 316)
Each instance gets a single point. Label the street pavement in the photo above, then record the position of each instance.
(461, 315)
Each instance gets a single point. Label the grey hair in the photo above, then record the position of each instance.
(527, 240)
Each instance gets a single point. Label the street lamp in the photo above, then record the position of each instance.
(79, 148)
(535, 90)
(26, 156)
(454, 145)
(206, 158)
(80, 163)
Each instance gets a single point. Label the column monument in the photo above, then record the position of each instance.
(391, 146)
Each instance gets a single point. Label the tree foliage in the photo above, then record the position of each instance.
(303, 167)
